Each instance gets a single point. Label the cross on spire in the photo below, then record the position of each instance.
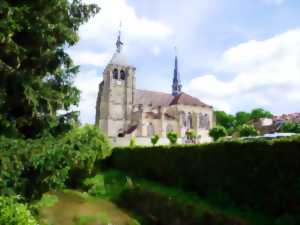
(119, 43)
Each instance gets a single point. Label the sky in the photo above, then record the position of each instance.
(235, 55)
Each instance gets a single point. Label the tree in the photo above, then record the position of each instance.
(224, 119)
(242, 118)
(289, 127)
(260, 113)
(37, 74)
(217, 132)
(172, 136)
(191, 135)
(154, 139)
(247, 130)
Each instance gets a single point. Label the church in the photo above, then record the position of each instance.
(124, 112)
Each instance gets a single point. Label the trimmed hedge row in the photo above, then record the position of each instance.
(263, 175)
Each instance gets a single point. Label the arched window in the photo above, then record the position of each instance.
(190, 121)
(169, 128)
(207, 123)
(116, 74)
(183, 118)
(201, 121)
(122, 75)
(150, 130)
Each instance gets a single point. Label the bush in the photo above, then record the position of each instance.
(217, 132)
(247, 130)
(259, 174)
(132, 142)
(289, 127)
(172, 136)
(48, 163)
(154, 139)
(14, 213)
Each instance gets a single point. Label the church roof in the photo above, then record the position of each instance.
(156, 99)
(119, 58)
(185, 99)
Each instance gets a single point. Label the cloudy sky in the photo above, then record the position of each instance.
(233, 54)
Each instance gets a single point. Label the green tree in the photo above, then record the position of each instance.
(37, 74)
(154, 139)
(247, 130)
(289, 127)
(217, 132)
(224, 119)
(260, 113)
(172, 136)
(242, 118)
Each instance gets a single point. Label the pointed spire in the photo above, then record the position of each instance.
(176, 86)
(119, 43)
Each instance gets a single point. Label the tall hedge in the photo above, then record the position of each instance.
(264, 175)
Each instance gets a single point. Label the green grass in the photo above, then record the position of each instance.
(114, 182)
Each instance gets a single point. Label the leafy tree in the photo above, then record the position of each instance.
(224, 119)
(172, 136)
(154, 139)
(14, 213)
(36, 72)
(242, 118)
(260, 113)
(217, 132)
(289, 127)
(247, 130)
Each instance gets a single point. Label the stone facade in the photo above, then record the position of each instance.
(123, 112)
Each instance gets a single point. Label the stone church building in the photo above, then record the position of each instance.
(123, 111)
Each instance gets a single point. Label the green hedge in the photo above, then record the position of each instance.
(263, 175)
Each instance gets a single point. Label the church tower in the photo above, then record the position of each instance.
(116, 94)
(176, 86)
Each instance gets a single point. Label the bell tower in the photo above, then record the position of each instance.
(116, 94)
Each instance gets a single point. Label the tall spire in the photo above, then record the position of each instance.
(119, 43)
(176, 86)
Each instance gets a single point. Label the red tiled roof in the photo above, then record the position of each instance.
(156, 99)
(185, 99)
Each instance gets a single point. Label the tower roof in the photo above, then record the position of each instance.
(119, 58)
(176, 86)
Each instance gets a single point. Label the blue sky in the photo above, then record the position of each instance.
(233, 54)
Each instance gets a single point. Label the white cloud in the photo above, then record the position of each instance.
(274, 2)
(89, 58)
(88, 82)
(265, 74)
(106, 22)
(155, 50)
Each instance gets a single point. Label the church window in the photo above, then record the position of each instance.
(115, 74)
(190, 121)
(150, 130)
(183, 118)
(122, 75)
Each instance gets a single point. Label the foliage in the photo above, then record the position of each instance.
(289, 127)
(172, 136)
(260, 113)
(256, 174)
(14, 213)
(191, 134)
(154, 139)
(217, 132)
(242, 118)
(224, 119)
(37, 74)
(247, 130)
(132, 142)
(48, 163)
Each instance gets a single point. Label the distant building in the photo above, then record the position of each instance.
(123, 112)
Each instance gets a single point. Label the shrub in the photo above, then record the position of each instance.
(48, 163)
(247, 130)
(260, 174)
(217, 132)
(172, 136)
(289, 127)
(132, 142)
(14, 213)
(154, 139)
